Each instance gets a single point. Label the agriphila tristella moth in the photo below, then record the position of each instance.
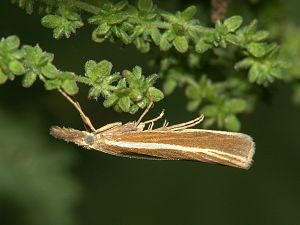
(176, 142)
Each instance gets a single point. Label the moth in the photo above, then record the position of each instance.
(176, 142)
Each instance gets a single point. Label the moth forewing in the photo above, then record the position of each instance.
(226, 148)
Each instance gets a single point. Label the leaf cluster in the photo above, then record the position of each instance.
(126, 92)
(222, 67)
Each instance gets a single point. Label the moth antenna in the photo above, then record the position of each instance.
(144, 113)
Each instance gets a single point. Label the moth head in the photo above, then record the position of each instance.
(82, 138)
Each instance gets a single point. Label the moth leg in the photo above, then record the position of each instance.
(156, 118)
(166, 123)
(108, 127)
(150, 126)
(77, 106)
(182, 126)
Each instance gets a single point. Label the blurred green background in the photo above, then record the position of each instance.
(47, 181)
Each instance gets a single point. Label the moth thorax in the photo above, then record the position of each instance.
(89, 139)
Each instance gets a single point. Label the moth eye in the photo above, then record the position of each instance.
(89, 139)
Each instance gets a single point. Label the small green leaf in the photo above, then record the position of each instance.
(145, 5)
(12, 42)
(94, 92)
(104, 67)
(133, 109)
(155, 94)
(16, 67)
(120, 5)
(165, 41)
(52, 84)
(202, 46)
(233, 23)
(189, 13)
(136, 95)
(70, 86)
(232, 123)
(102, 29)
(110, 100)
(257, 49)
(63, 24)
(236, 105)
(124, 104)
(169, 86)
(210, 110)
(181, 44)
(233, 39)
(51, 21)
(98, 71)
(3, 77)
(155, 35)
(50, 71)
(29, 79)
(253, 73)
(244, 64)
(193, 105)
(192, 91)
(260, 36)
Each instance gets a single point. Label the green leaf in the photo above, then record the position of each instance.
(133, 109)
(64, 23)
(258, 49)
(51, 21)
(210, 110)
(244, 64)
(202, 46)
(232, 123)
(120, 5)
(29, 79)
(124, 104)
(3, 77)
(94, 92)
(181, 44)
(236, 105)
(233, 23)
(193, 105)
(110, 100)
(192, 91)
(70, 87)
(165, 41)
(155, 35)
(145, 5)
(136, 95)
(260, 36)
(189, 13)
(52, 84)
(97, 71)
(12, 42)
(16, 67)
(50, 71)
(169, 86)
(155, 94)
(102, 29)
(253, 73)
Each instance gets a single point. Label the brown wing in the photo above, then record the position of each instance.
(227, 148)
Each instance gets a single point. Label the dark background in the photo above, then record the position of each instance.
(47, 181)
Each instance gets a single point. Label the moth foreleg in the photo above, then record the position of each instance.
(182, 126)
